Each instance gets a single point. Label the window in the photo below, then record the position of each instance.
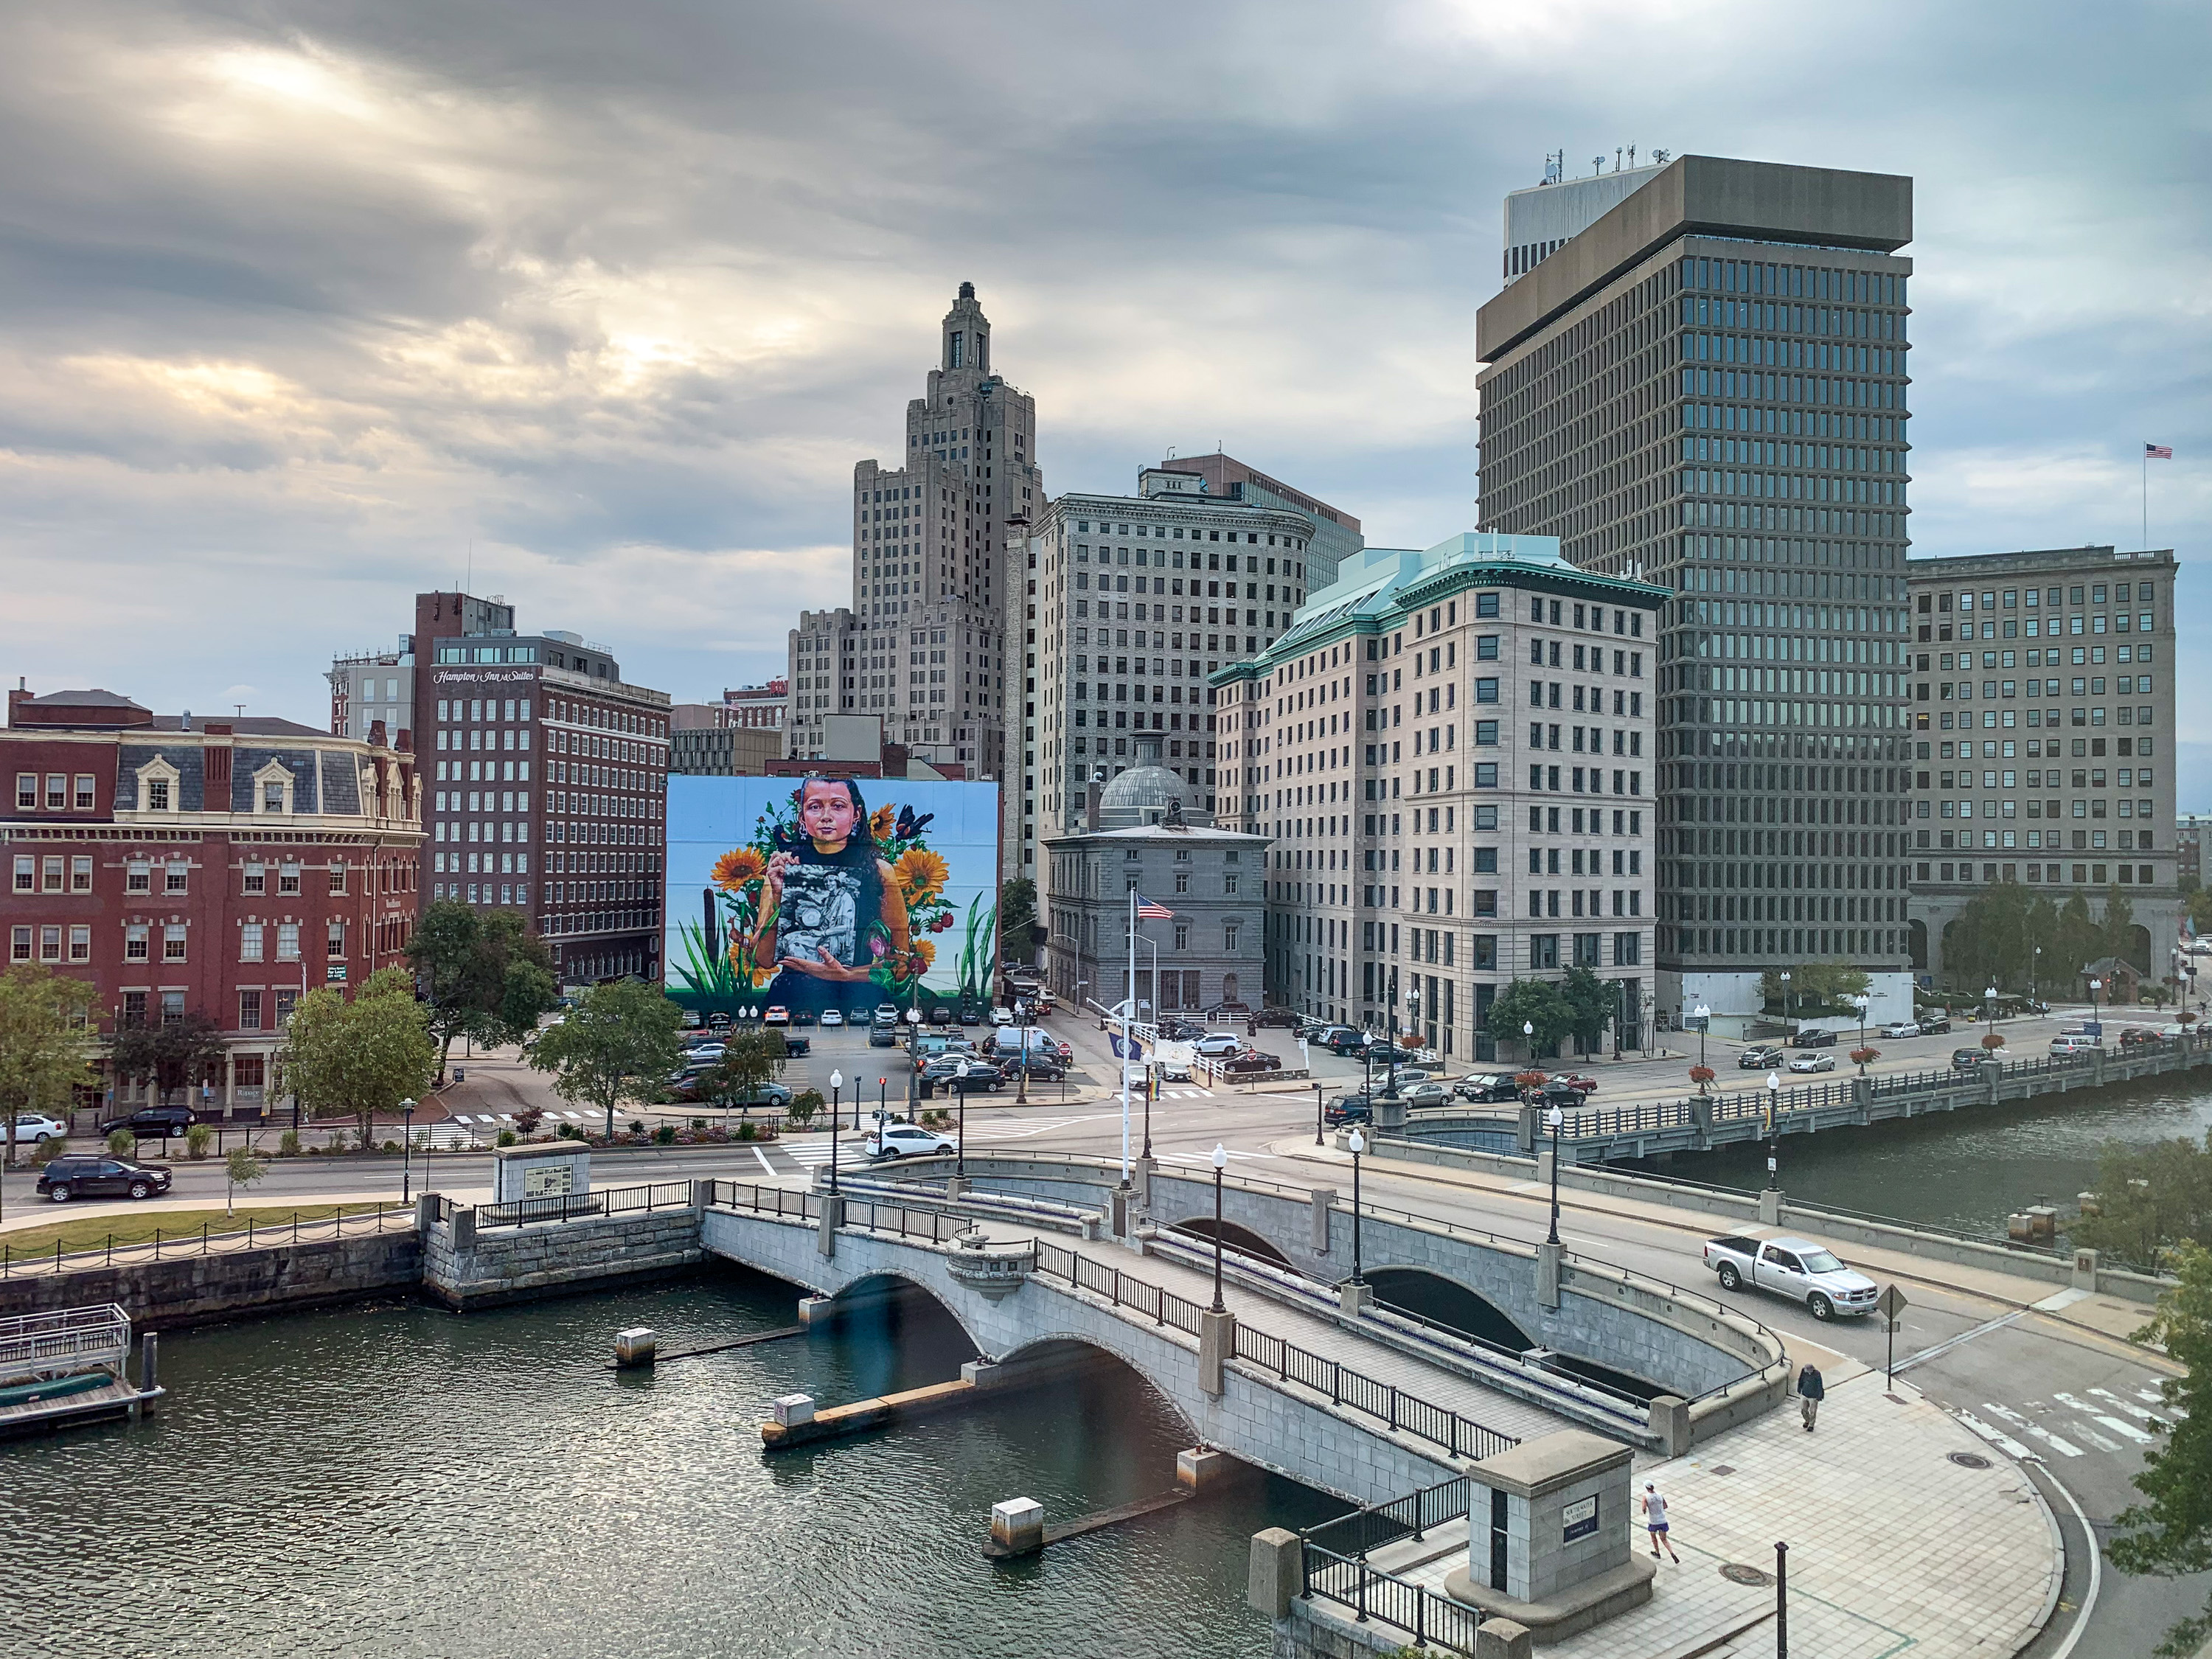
(135, 947)
(285, 1001)
(56, 791)
(1182, 881)
(1232, 931)
(84, 793)
(138, 877)
(1485, 690)
(1627, 950)
(27, 792)
(336, 946)
(52, 873)
(80, 943)
(173, 1006)
(257, 877)
(287, 941)
(49, 944)
(1586, 949)
(288, 879)
(1182, 936)
(26, 873)
(272, 796)
(337, 875)
(19, 944)
(176, 879)
(249, 1014)
(80, 875)
(250, 942)
(1543, 950)
(157, 794)
(172, 942)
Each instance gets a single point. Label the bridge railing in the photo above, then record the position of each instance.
(580, 1206)
(209, 1238)
(863, 1212)
(1370, 1593)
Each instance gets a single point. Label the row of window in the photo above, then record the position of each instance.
(1541, 951)
(63, 793)
(2085, 875)
(49, 941)
(46, 873)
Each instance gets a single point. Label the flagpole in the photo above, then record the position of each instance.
(2146, 498)
(1128, 1009)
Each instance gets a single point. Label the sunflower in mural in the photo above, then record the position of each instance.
(921, 874)
(739, 868)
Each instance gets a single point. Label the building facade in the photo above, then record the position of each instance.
(2062, 779)
(723, 751)
(1706, 388)
(1452, 752)
(372, 687)
(933, 595)
(219, 867)
(575, 834)
(821, 652)
(1221, 579)
(757, 707)
(1204, 959)
(1335, 534)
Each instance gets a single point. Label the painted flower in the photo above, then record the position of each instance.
(739, 868)
(880, 822)
(921, 874)
(942, 921)
(924, 954)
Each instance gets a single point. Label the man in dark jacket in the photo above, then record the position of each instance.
(1810, 1390)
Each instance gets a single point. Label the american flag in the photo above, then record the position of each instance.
(1152, 912)
(2158, 451)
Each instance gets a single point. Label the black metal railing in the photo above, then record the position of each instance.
(586, 1207)
(1409, 1517)
(209, 1238)
(1372, 1594)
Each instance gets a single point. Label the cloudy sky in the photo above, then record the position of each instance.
(308, 306)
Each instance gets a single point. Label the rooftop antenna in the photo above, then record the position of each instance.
(1660, 157)
(1597, 166)
(241, 709)
(1632, 156)
(469, 580)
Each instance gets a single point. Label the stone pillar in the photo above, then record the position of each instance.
(1277, 1576)
(1320, 1198)
(149, 1361)
(1544, 1164)
(1551, 1549)
(1353, 1300)
(794, 1410)
(1701, 1116)
(1217, 1345)
(1770, 1207)
(2085, 1270)
(1527, 1134)
(956, 1188)
(1143, 1168)
(1389, 1116)
(634, 1347)
(1120, 1213)
(465, 1232)
(1547, 1275)
(1501, 1638)
(702, 1194)
(1199, 1466)
(1670, 1423)
(1017, 1526)
(426, 1213)
(816, 1313)
(833, 1217)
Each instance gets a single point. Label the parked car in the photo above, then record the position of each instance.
(2070, 1043)
(1388, 1053)
(1179, 1031)
(718, 1022)
(777, 1014)
(1251, 1060)
(1002, 1016)
(1966, 1059)
(1934, 1025)
(803, 1017)
(1565, 1095)
(907, 1140)
(1487, 1086)
(34, 1129)
(1342, 1040)
(795, 1044)
(1349, 1108)
(940, 1015)
(1425, 1094)
(1759, 1059)
(154, 1122)
(2136, 1036)
(1170, 1070)
(832, 1017)
(1043, 1068)
(1901, 1028)
(1218, 1045)
(85, 1176)
(1794, 1267)
(972, 1075)
(1813, 1036)
(1813, 1063)
(1285, 1016)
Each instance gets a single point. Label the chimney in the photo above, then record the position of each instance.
(404, 743)
(185, 721)
(1091, 792)
(376, 734)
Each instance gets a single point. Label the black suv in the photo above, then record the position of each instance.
(1935, 1024)
(1350, 1109)
(1968, 1060)
(90, 1176)
(154, 1122)
(1343, 1040)
(1813, 1036)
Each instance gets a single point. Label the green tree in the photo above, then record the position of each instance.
(615, 1044)
(1815, 987)
(1591, 999)
(2150, 1199)
(2076, 946)
(2116, 930)
(172, 1054)
(2200, 909)
(239, 1168)
(483, 974)
(2171, 1534)
(364, 1056)
(747, 1062)
(1531, 1002)
(1017, 919)
(44, 1048)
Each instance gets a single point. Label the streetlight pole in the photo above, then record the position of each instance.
(406, 1151)
(1220, 1162)
(1151, 1088)
(1989, 1008)
(1528, 1039)
(1704, 1021)
(836, 1082)
(1356, 1145)
(1554, 1118)
(1317, 1114)
(1773, 1126)
(914, 1064)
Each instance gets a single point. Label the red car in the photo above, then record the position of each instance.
(1584, 1084)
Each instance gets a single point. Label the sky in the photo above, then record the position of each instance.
(305, 308)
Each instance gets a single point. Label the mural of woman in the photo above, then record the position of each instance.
(831, 905)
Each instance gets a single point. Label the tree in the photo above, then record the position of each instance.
(2150, 1199)
(1592, 1000)
(2117, 930)
(173, 1053)
(2077, 945)
(364, 1056)
(1531, 1002)
(483, 974)
(747, 1062)
(43, 1046)
(1815, 986)
(240, 1169)
(1017, 919)
(2172, 1534)
(618, 1044)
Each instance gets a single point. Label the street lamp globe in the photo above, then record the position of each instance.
(1220, 1157)
(1355, 1143)
(836, 1079)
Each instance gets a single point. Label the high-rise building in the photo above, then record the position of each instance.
(1138, 599)
(819, 680)
(1335, 536)
(1544, 218)
(1705, 388)
(1430, 850)
(548, 784)
(2062, 778)
(932, 596)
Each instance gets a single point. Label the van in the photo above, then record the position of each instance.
(2069, 1042)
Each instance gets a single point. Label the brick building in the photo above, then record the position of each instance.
(223, 867)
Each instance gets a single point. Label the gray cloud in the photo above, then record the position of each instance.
(308, 304)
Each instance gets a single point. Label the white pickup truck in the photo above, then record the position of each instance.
(1795, 1267)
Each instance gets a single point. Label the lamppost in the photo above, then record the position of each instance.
(836, 1082)
(1785, 996)
(2095, 986)
(1151, 1088)
(914, 1064)
(1529, 1037)
(1220, 1162)
(1414, 1017)
(960, 1152)
(882, 1111)
(1773, 1126)
(1356, 1144)
(1860, 1002)
(2034, 969)
(406, 1151)
(1705, 1019)
(1317, 1114)
(1989, 1009)
(1619, 1012)
(1554, 1118)
(1022, 1088)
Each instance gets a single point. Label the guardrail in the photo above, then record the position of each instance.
(578, 1206)
(1338, 1570)
(207, 1241)
(65, 1339)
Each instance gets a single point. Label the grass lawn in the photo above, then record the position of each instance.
(95, 1232)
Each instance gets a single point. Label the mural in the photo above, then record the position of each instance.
(804, 893)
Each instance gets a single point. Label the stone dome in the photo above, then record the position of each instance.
(1142, 795)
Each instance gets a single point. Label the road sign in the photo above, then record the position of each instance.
(1891, 1302)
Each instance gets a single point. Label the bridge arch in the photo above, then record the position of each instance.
(1447, 1301)
(1072, 1348)
(1235, 1237)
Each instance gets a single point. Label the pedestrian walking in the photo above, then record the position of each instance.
(1810, 1390)
(1654, 1522)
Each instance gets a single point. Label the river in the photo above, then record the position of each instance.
(390, 1479)
(1973, 1168)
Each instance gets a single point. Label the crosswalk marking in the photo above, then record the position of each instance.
(1996, 1437)
(1191, 1094)
(2133, 1411)
(2058, 1444)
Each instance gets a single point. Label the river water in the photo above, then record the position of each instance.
(1973, 1168)
(391, 1480)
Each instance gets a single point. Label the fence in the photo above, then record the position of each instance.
(575, 1206)
(67, 1338)
(1335, 1565)
(205, 1241)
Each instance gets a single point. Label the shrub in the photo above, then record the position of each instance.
(528, 1119)
(801, 1111)
(197, 1140)
(123, 1144)
(52, 1148)
(1701, 1075)
(506, 1138)
(567, 1132)
(748, 1131)
(664, 1135)
(637, 1125)
(391, 1145)
(1865, 1056)
(288, 1144)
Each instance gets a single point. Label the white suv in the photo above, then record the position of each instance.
(907, 1140)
